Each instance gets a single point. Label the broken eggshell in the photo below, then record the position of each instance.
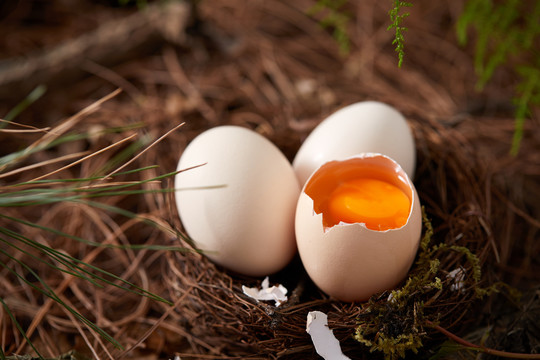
(347, 260)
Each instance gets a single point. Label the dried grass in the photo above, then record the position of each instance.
(276, 71)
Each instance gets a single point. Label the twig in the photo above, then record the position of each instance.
(112, 77)
(60, 129)
(185, 85)
(84, 158)
(156, 325)
(82, 333)
(142, 152)
(43, 163)
(28, 128)
(484, 349)
(107, 44)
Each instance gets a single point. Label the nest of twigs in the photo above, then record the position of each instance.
(453, 187)
(275, 70)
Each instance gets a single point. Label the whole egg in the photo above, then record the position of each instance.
(358, 226)
(368, 126)
(239, 206)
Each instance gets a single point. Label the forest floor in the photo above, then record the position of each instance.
(265, 65)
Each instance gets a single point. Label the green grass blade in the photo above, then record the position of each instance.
(31, 98)
(83, 180)
(19, 328)
(130, 287)
(35, 198)
(47, 291)
(12, 158)
(122, 156)
(93, 243)
(68, 265)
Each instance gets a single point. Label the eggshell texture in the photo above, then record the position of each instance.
(362, 127)
(349, 261)
(238, 207)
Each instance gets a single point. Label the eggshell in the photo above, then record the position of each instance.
(238, 207)
(368, 126)
(349, 261)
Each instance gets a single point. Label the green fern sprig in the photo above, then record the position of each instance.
(529, 90)
(334, 17)
(506, 30)
(396, 17)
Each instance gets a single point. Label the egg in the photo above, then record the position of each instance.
(368, 126)
(358, 226)
(238, 207)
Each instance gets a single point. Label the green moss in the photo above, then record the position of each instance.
(394, 325)
(393, 347)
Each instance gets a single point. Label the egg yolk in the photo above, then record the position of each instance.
(376, 203)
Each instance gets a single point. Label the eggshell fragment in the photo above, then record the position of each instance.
(367, 126)
(239, 206)
(349, 261)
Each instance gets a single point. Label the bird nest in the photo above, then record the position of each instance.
(449, 277)
(276, 71)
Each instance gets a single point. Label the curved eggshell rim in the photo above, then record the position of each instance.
(389, 169)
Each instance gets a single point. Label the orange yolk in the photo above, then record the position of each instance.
(378, 204)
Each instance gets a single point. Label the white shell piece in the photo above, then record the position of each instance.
(278, 294)
(323, 338)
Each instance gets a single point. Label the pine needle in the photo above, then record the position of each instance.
(84, 158)
(145, 150)
(24, 251)
(49, 138)
(19, 327)
(34, 95)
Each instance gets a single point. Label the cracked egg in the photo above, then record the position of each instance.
(358, 226)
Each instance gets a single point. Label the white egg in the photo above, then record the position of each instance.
(239, 206)
(352, 260)
(367, 126)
